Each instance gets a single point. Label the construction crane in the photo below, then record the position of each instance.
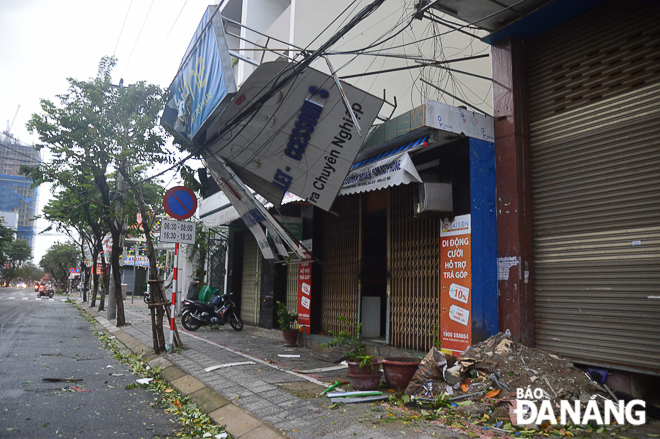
(10, 125)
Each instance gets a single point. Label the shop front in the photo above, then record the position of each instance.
(409, 247)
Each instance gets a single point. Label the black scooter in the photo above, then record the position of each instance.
(197, 314)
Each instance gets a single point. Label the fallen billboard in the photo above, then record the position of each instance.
(204, 83)
(302, 140)
(252, 212)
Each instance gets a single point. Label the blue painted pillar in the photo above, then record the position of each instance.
(484, 240)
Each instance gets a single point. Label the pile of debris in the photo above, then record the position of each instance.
(492, 372)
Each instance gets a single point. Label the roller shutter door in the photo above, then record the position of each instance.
(251, 290)
(594, 105)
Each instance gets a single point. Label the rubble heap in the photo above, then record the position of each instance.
(518, 366)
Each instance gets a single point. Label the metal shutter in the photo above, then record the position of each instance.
(594, 105)
(341, 263)
(251, 289)
(415, 272)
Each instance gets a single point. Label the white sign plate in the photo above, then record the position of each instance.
(302, 140)
(181, 232)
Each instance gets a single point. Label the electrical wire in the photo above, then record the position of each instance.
(122, 27)
(137, 39)
(455, 30)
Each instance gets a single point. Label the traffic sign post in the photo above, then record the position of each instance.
(180, 203)
(179, 232)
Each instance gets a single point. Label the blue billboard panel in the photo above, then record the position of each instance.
(204, 83)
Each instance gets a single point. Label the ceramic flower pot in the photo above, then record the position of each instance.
(364, 382)
(399, 371)
(354, 368)
(290, 337)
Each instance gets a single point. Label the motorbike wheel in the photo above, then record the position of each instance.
(235, 321)
(189, 323)
(146, 299)
(51, 295)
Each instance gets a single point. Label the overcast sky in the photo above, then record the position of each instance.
(45, 42)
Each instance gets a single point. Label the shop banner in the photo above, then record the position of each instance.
(456, 284)
(458, 120)
(301, 140)
(138, 261)
(305, 290)
(304, 294)
(391, 171)
(98, 268)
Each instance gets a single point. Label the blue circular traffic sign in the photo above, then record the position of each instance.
(180, 202)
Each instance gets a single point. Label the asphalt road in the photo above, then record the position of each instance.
(42, 338)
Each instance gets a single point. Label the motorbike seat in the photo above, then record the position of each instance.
(202, 305)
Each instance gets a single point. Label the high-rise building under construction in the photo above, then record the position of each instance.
(16, 194)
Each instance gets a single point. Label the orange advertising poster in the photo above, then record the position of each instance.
(456, 284)
(304, 295)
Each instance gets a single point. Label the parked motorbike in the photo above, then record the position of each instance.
(45, 291)
(197, 314)
(146, 297)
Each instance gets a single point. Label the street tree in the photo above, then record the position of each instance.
(6, 237)
(30, 272)
(58, 259)
(71, 210)
(94, 130)
(17, 252)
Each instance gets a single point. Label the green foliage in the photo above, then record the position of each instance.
(436, 336)
(58, 259)
(30, 272)
(352, 337)
(285, 318)
(6, 237)
(18, 251)
(194, 423)
(103, 140)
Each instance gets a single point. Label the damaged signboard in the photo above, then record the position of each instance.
(204, 83)
(252, 212)
(301, 140)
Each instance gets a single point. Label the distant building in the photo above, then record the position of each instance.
(16, 195)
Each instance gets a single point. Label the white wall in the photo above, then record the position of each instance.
(258, 15)
(312, 16)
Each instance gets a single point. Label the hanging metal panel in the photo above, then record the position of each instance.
(594, 104)
(341, 263)
(292, 288)
(251, 288)
(415, 273)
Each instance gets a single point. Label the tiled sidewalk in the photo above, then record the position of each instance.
(267, 389)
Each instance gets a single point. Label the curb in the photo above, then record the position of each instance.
(239, 422)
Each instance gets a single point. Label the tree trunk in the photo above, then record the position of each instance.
(95, 276)
(106, 283)
(116, 273)
(156, 285)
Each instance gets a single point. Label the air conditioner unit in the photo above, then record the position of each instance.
(434, 199)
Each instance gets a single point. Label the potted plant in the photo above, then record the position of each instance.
(364, 370)
(399, 371)
(287, 319)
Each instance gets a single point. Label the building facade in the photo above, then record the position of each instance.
(288, 25)
(576, 89)
(16, 194)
